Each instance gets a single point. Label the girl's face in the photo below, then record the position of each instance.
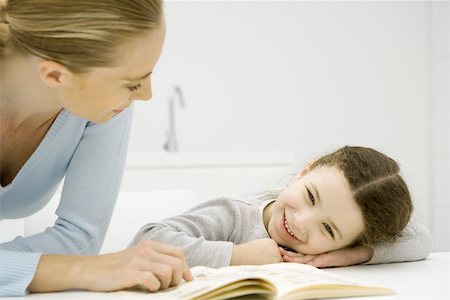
(316, 213)
(103, 92)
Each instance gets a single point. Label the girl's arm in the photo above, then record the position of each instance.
(416, 243)
(203, 232)
(216, 233)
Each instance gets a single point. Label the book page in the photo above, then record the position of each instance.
(307, 281)
(276, 279)
(209, 279)
(285, 276)
(234, 282)
(293, 276)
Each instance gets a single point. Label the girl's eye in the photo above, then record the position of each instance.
(311, 197)
(134, 88)
(328, 228)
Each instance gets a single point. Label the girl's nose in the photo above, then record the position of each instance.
(303, 222)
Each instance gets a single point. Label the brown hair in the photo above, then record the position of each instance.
(378, 189)
(81, 34)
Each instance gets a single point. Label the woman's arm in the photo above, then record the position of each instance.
(153, 265)
(93, 175)
(150, 264)
(91, 184)
(16, 272)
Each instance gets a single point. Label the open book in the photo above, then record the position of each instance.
(274, 281)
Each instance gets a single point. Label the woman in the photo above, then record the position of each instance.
(69, 74)
(350, 206)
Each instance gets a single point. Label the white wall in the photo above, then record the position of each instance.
(307, 77)
(440, 124)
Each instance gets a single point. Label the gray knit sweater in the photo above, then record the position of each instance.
(207, 232)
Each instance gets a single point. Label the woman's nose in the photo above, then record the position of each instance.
(144, 93)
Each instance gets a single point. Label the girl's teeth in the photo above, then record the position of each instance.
(287, 227)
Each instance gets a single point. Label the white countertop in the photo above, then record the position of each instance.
(428, 279)
(136, 160)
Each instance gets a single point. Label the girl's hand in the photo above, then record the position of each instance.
(291, 256)
(256, 252)
(150, 264)
(337, 258)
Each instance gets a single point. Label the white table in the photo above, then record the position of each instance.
(428, 279)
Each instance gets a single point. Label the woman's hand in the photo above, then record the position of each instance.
(337, 258)
(150, 264)
(256, 252)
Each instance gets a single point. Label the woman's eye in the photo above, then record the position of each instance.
(311, 197)
(328, 228)
(134, 88)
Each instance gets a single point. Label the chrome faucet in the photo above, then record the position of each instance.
(175, 94)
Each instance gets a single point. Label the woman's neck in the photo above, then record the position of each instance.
(23, 95)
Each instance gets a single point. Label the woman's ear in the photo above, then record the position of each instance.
(53, 74)
(305, 170)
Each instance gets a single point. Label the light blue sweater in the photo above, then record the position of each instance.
(92, 158)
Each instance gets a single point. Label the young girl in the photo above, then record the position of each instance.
(348, 207)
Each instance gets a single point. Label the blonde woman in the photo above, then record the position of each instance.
(69, 72)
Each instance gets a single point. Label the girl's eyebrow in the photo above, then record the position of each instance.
(316, 191)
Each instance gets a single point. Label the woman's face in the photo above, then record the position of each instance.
(316, 213)
(103, 92)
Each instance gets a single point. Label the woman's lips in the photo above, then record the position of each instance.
(121, 109)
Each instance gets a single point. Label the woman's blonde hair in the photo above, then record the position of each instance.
(79, 34)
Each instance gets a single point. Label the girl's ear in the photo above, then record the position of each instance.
(53, 74)
(304, 171)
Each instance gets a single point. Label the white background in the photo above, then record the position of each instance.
(309, 77)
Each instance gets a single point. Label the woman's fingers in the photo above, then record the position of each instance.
(187, 275)
(163, 273)
(150, 281)
(175, 252)
(169, 269)
(149, 264)
(166, 262)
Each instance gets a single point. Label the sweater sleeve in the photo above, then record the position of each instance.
(16, 272)
(88, 197)
(202, 232)
(416, 243)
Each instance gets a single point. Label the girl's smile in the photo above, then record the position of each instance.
(312, 214)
